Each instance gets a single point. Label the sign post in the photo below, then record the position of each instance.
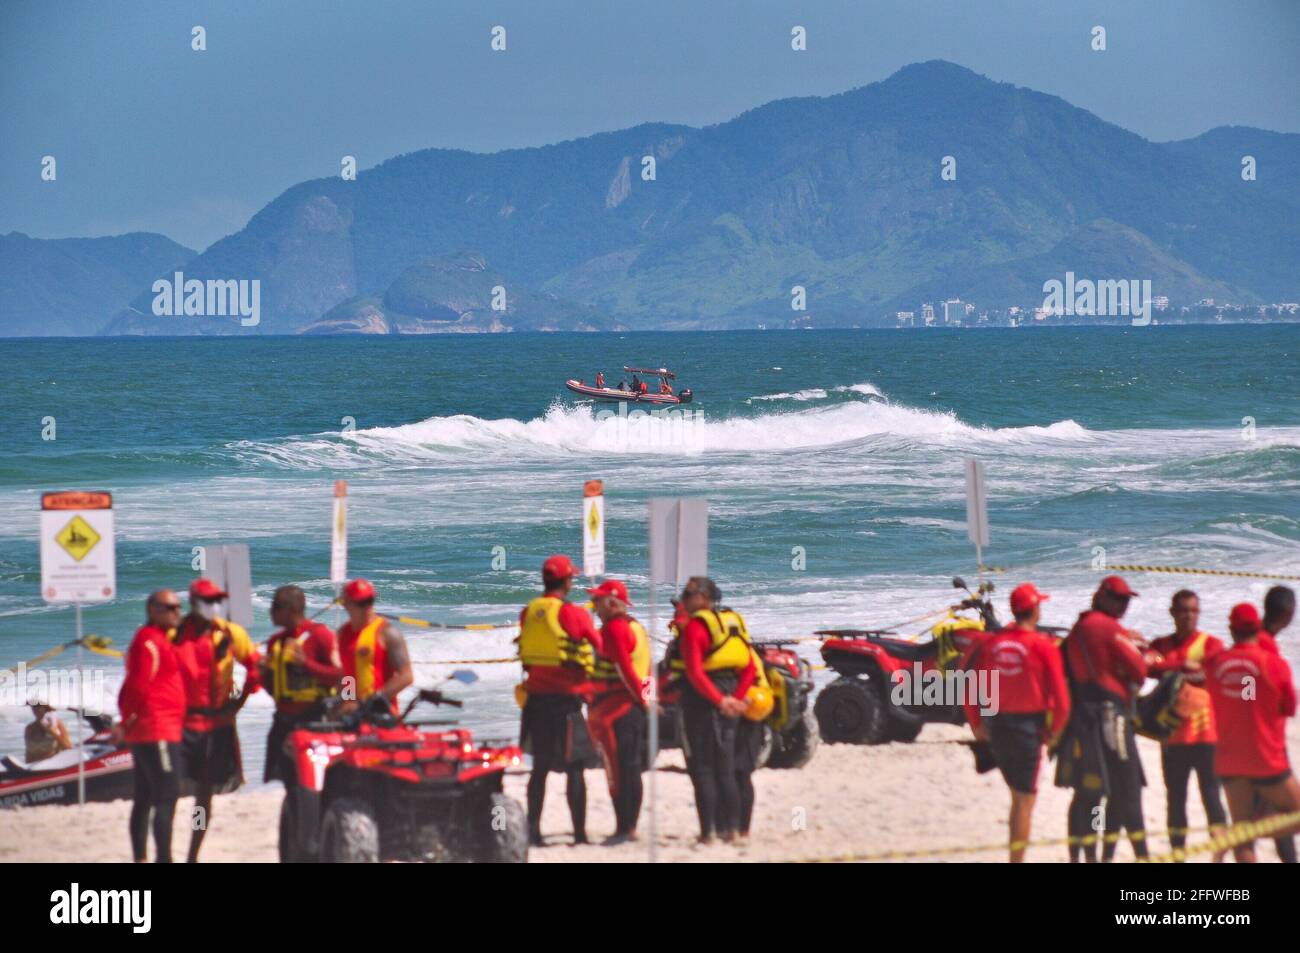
(593, 529)
(228, 566)
(977, 514)
(339, 539)
(78, 565)
(679, 549)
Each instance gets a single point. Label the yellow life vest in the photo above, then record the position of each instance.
(543, 641)
(367, 658)
(290, 680)
(223, 670)
(729, 648)
(606, 669)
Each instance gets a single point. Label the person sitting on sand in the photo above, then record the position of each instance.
(45, 735)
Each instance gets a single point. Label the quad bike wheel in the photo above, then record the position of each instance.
(500, 831)
(349, 833)
(851, 710)
(797, 745)
(289, 852)
(904, 731)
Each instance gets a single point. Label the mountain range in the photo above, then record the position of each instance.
(841, 195)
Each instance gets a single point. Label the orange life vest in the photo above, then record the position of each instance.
(365, 660)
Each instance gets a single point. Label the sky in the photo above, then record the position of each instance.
(151, 135)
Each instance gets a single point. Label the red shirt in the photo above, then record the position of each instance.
(1268, 642)
(694, 643)
(618, 643)
(207, 685)
(564, 679)
(152, 697)
(1026, 676)
(1198, 725)
(318, 651)
(1252, 728)
(1100, 654)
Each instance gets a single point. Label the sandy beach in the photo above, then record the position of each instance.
(850, 802)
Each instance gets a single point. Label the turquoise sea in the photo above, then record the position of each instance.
(832, 462)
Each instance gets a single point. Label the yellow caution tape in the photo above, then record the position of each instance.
(99, 644)
(1228, 838)
(1169, 569)
(1223, 839)
(470, 661)
(470, 626)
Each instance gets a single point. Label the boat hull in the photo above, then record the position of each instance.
(614, 396)
(110, 776)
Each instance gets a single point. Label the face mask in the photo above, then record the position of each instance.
(207, 610)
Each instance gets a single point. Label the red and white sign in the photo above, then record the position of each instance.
(78, 559)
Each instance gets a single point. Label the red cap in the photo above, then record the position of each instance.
(1025, 596)
(358, 590)
(1116, 586)
(611, 587)
(559, 567)
(205, 589)
(1244, 618)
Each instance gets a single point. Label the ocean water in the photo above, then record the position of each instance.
(832, 462)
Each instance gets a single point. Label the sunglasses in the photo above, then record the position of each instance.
(169, 606)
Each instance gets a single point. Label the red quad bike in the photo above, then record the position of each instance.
(858, 707)
(374, 786)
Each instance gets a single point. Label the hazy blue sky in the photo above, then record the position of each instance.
(150, 135)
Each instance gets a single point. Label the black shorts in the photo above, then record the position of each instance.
(1017, 743)
(553, 730)
(211, 758)
(1259, 782)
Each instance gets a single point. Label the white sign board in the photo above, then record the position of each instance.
(977, 514)
(679, 539)
(228, 566)
(339, 534)
(593, 528)
(78, 561)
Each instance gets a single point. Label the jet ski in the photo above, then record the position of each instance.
(110, 772)
(652, 397)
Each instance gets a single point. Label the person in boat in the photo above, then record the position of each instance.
(152, 704)
(600, 378)
(665, 387)
(302, 668)
(208, 647)
(622, 385)
(637, 386)
(45, 735)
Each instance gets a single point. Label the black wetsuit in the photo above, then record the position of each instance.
(157, 785)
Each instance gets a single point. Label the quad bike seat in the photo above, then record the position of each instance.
(908, 651)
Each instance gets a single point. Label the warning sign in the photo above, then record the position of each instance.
(78, 562)
(593, 528)
(77, 538)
